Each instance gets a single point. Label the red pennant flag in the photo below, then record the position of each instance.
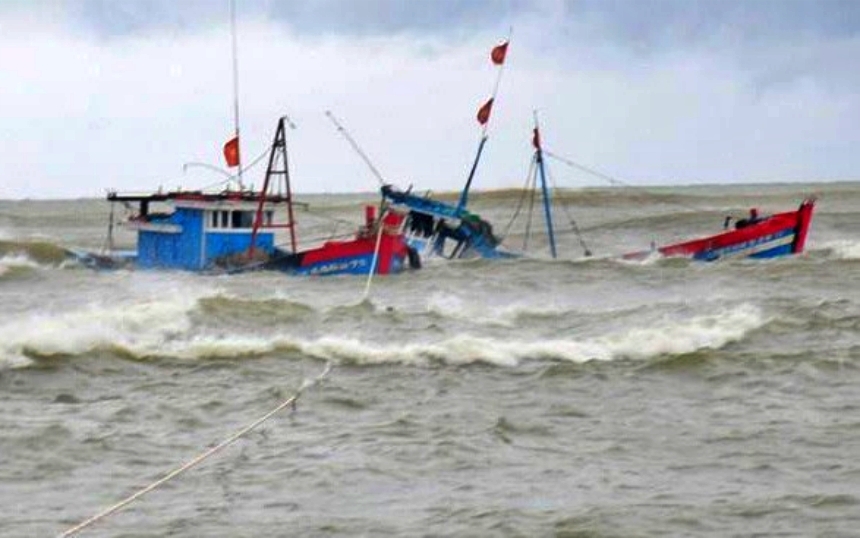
(499, 53)
(231, 152)
(536, 139)
(484, 112)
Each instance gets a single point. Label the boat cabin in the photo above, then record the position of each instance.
(199, 232)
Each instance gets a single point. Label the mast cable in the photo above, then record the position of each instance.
(616, 182)
(342, 130)
(573, 224)
(533, 193)
(520, 201)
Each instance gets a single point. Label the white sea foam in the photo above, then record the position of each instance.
(844, 249)
(143, 329)
(670, 337)
(674, 337)
(164, 329)
(453, 307)
(12, 261)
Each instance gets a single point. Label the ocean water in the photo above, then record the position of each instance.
(578, 397)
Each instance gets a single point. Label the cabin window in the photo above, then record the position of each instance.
(225, 219)
(242, 219)
(214, 219)
(269, 218)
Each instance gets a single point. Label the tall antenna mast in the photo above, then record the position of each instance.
(236, 87)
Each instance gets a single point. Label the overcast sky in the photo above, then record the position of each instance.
(118, 94)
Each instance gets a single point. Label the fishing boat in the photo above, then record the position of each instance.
(436, 228)
(234, 231)
(756, 236)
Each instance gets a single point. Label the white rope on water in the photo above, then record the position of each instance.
(306, 384)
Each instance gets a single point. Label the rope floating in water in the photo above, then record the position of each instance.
(291, 401)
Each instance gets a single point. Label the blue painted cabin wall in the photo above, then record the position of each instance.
(185, 250)
(219, 244)
(173, 250)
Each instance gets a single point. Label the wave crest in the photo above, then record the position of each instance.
(844, 249)
(171, 329)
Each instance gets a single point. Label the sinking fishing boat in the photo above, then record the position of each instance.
(437, 228)
(234, 231)
(757, 236)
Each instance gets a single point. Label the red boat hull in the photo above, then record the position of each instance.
(355, 256)
(777, 235)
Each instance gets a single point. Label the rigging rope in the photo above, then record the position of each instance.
(529, 190)
(291, 401)
(533, 184)
(614, 181)
(342, 130)
(520, 201)
(586, 251)
(256, 161)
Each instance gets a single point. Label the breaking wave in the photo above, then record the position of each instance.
(41, 252)
(142, 330)
(667, 338)
(166, 329)
(451, 306)
(845, 249)
(15, 264)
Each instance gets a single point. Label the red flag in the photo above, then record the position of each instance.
(536, 139)
(231, 152)
(484, 112)
(499, 53)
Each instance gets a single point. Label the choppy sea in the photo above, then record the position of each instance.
(577, 397)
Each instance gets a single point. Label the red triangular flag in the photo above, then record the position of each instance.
(231, 152)
(484, 112)
(536, 139)
(499, 53)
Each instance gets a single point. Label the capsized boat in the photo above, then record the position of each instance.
(756, 236)
(234, 231)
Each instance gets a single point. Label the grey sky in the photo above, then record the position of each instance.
(99, 94)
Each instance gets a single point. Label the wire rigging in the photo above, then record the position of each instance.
(533, 192)
(585, 250)
(520, 202)
(231, 178)
(342, 130)
(615, 181)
